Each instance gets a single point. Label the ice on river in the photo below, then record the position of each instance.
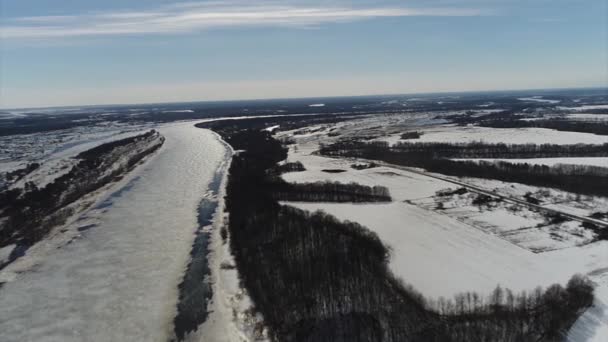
(119, 281)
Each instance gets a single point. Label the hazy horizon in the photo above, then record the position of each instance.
(315, 97)
(60, 53)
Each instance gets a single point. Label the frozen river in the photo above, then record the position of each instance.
(119, 281)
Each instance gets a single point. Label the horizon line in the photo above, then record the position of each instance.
(307, 97)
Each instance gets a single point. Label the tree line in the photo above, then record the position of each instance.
(227, 127)
(475, 149)
(545, 315)
(595, 127)
(582, 179)
(328, 192)
(315, 278)
(30, 213)
(502, 150)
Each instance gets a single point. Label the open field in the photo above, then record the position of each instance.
(475, 246)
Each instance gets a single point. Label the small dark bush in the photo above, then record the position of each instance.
(411, 135)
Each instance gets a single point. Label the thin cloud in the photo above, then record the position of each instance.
(194, 16)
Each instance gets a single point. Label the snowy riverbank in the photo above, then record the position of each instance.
(118, 280)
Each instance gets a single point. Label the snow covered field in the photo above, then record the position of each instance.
(538, 99)
(460, 248)
(508, 135)
(458, 134)
(420, 235)
(588, 117)
(117, 280)
(584, 107)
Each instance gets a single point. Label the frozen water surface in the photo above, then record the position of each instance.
(119, 282)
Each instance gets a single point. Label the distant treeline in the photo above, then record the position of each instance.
(96, 152)
(595, 127)
(315, 278)
(328, 192)
(229, 126)
(41, 122)
(470, 149)
(29, 214)
(583, 179)
(501, 150)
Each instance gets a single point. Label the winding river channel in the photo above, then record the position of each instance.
(120, 280)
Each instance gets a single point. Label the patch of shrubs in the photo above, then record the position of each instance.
(411, 135)
(364, 166)
(450, 192)
(482, 199)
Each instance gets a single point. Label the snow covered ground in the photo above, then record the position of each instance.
(54, 149)
(588, 117)
(462, 248)
(116, 280)
(426, 239)
(508, 135)
(584, 107)
(592, 326)
(520, 225)
(458, 134)
(538, 99)
(60, 160)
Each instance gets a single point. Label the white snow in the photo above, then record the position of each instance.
(539, 99)
(179, 111)
(5, 253)
(592, 326)
(53, 149)
(118, 281)
(230, 315)
(317, 105)
(584, 107)
(271, 128)
(508, 135)
(588, 117)
(441, 256)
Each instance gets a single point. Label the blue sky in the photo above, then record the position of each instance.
(61, 52)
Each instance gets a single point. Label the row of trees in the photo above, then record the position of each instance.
(98, 151)
(328, 192)
(596, 127)
(545, 314)
(289, 167)
(583, 179)
(29, 214)
(228, 127)
(468, 150)
(315, 278)
(502, 150)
